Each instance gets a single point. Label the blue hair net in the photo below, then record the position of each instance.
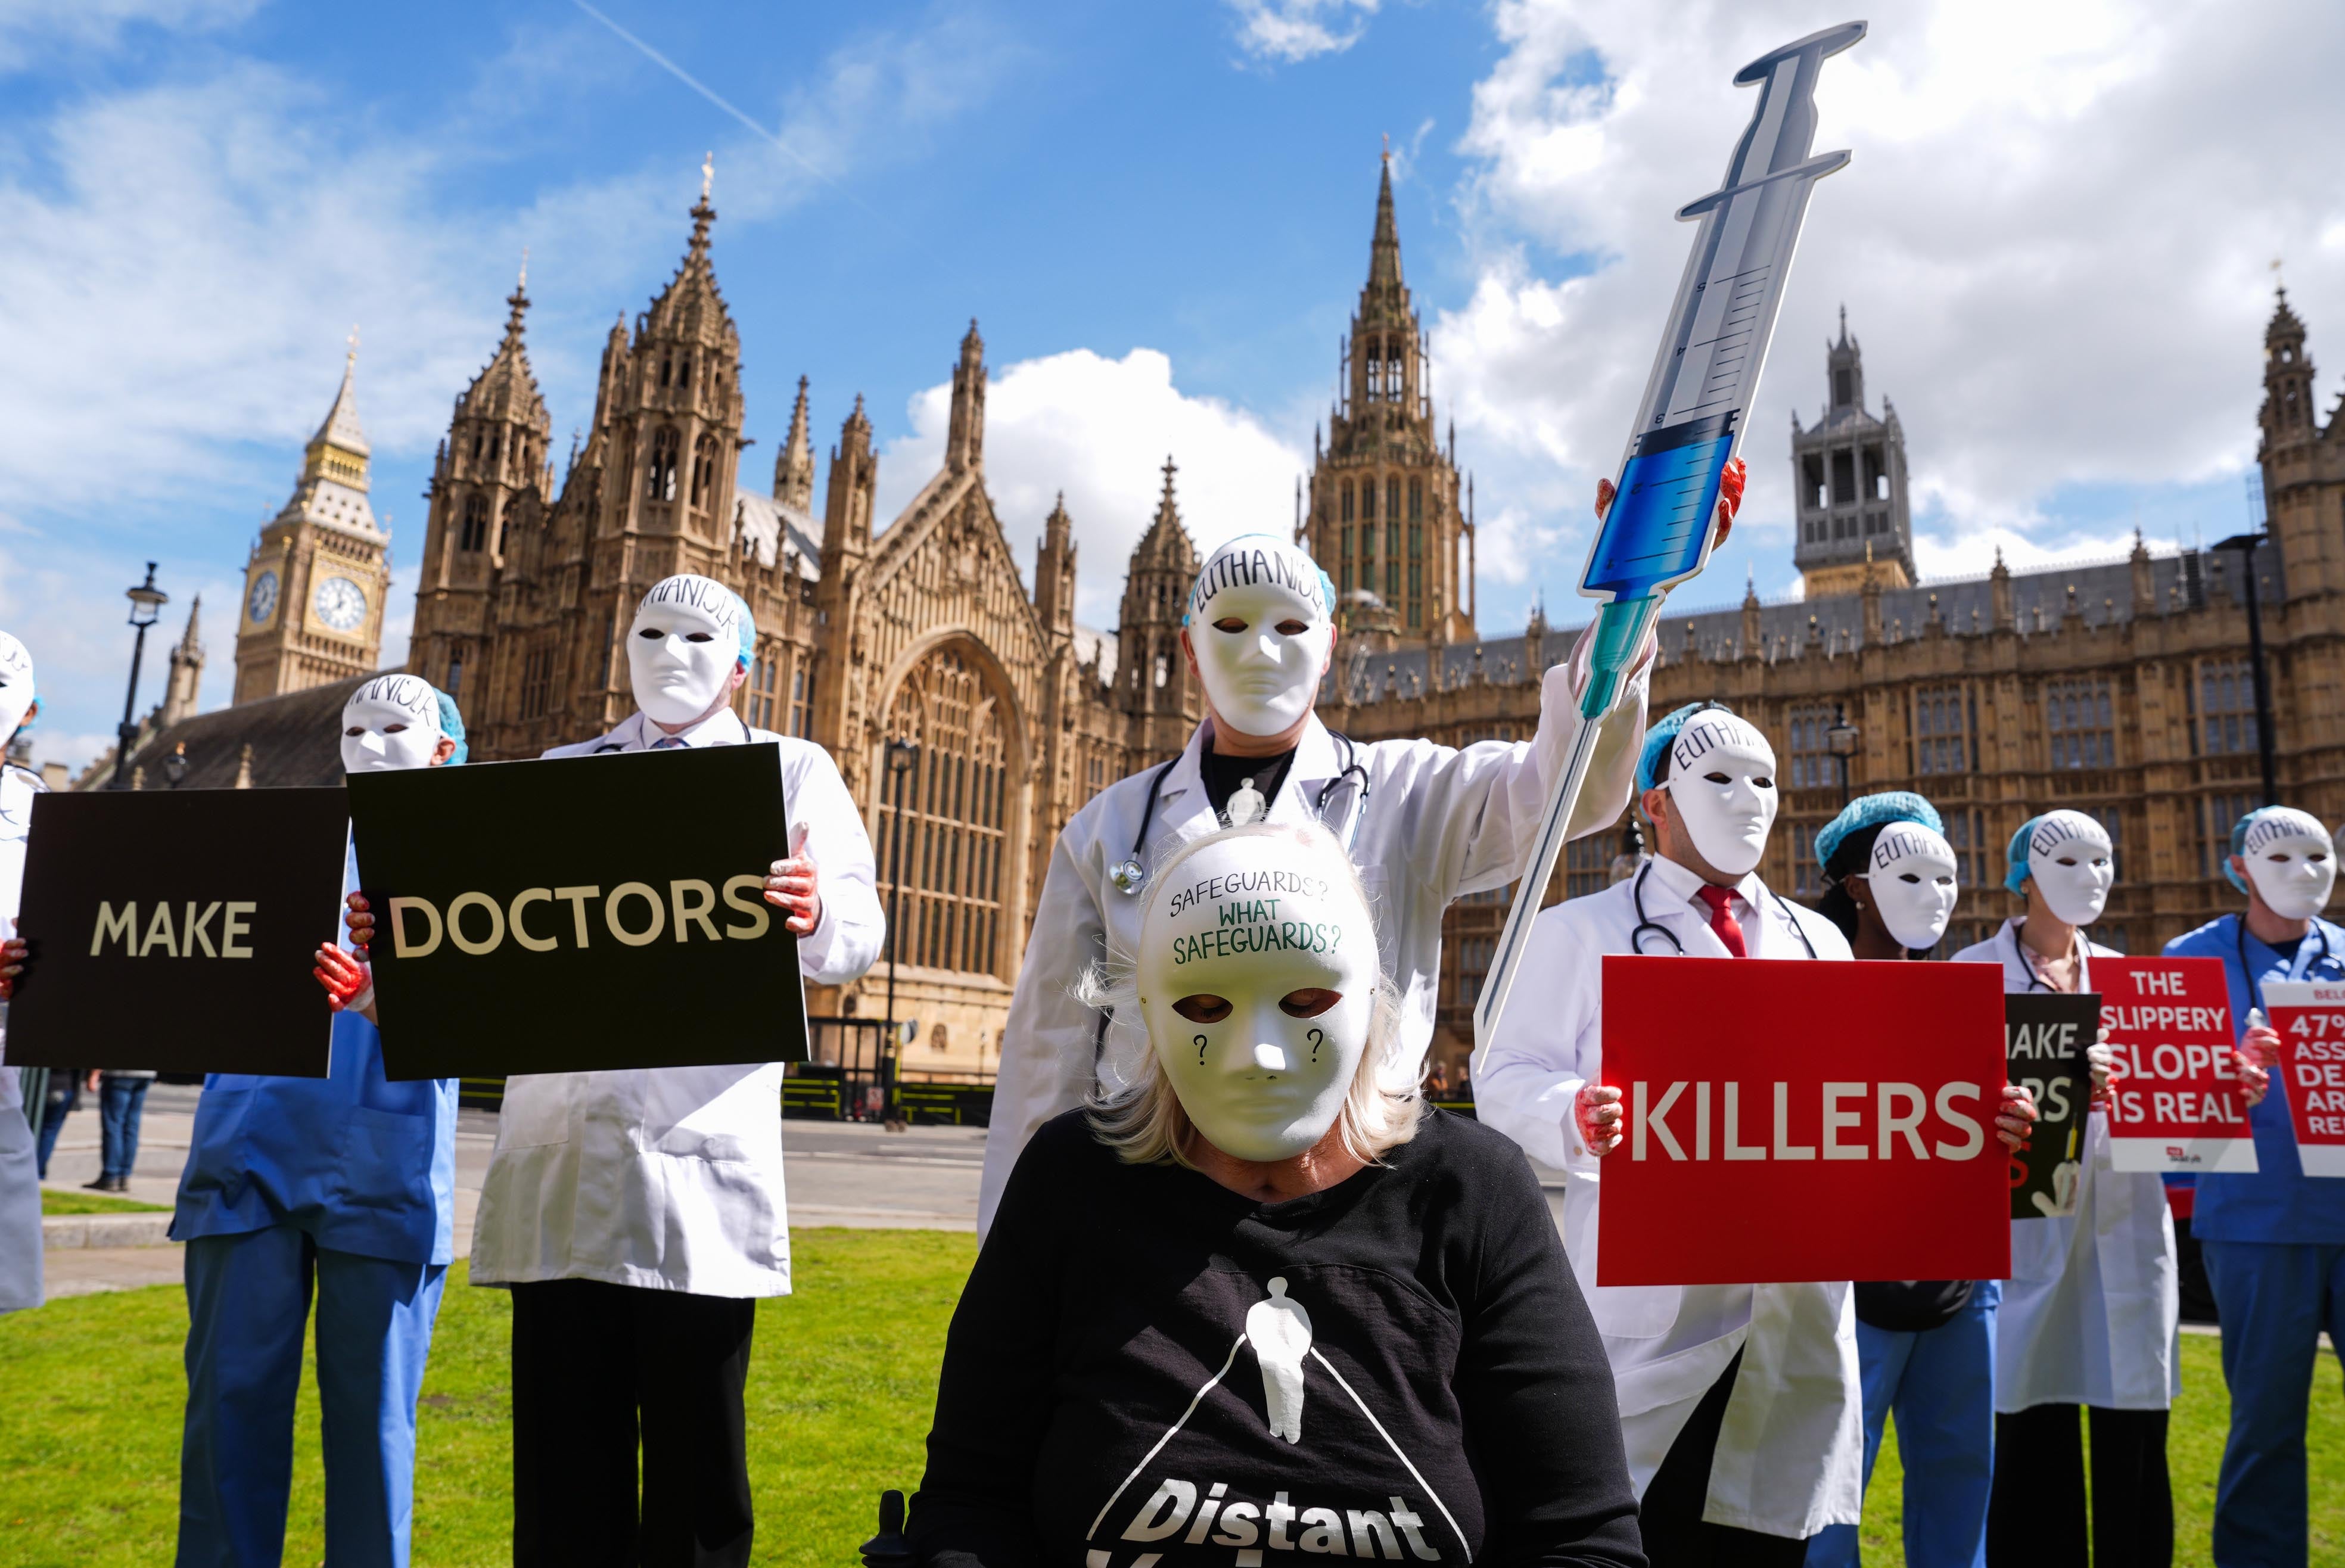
(2017, 877)
(1875, 811)
(1326, 583)
(451, 726)
(1657, 739)
(2239, 839)
(748, 629)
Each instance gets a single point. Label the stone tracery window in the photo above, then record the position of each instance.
(661, 479)
(955, 812)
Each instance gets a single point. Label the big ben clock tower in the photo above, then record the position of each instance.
(315, 585)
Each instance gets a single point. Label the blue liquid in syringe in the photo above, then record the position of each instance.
(1659, 522)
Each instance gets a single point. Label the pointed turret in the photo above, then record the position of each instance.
(793, 467)
(1054, 570)
(339, 451)
(1150, 665)
(182, 689)
(2288, 415)
(965, 436)
(1383, 247)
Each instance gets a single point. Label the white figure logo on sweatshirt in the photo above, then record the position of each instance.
(1281, 1331)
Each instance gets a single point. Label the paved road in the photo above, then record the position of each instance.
(851, 1174)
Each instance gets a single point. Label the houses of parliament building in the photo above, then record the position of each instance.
(2121, 688)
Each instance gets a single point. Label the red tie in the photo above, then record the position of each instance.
(1721, 918)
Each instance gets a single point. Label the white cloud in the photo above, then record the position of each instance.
(2052, 242)
(1286, 30)
(1099, 430)
(30, 29)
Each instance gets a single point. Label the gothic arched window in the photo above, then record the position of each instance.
(704, 470)
(956, 802)
(476, 523)
(661, 481)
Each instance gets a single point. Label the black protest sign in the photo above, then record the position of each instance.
(176, 929)
(579, 914)
(2044, 1037)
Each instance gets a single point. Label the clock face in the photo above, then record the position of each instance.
(340, 604)
(262, 604)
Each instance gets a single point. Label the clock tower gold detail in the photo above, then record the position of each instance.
(316, 582)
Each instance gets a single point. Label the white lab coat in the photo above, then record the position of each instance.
(1790, 1456)
(20, 1182)
(2093, 1311)
(1436, 823)
(670, 1179)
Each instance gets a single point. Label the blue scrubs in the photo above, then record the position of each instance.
(2274, 1244)
(1941, 1383)
(345, 1185)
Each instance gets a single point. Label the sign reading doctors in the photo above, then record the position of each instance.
(1793, 1122)
(579, 914)
(174, 930)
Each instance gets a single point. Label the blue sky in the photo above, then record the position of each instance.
(1159, 213)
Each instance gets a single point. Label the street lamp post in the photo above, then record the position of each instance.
(2244, 543)
(903, 757)
(1843, 738)
(147, 602)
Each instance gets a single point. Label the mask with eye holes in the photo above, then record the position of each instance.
(1911, 873)
(2289, 858)
(1261, 621)
(1722, 777)
(391, 722)
(2071, 861)
(15, 685)
(690, 634)
(1258, 973)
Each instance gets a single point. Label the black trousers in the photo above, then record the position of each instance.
(1676, 1534)
(597, 1366)
(2036, 1513)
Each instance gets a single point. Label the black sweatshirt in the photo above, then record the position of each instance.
(1147, 1368)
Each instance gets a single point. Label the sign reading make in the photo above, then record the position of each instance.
(1794, 1121)
(176, 930)
(579, 914)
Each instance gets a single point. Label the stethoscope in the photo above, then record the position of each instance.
(1127, 876)
(1647, 922)
(747, 739)
(2297, 971)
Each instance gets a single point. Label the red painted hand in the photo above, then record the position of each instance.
(346, 979)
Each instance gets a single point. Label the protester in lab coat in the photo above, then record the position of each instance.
(1693, 1404)
(1424, 822)
(20, 1181)
(2274, 1241)
(1926, 1348)
(341, 1188)
(2090, 1311)
(1740, 1404)
(638, 1215)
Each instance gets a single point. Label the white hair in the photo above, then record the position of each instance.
(1144, 1121)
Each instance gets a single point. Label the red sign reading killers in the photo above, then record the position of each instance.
(2174, 1100)
(1790, 1120)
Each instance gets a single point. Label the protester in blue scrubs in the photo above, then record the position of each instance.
(2274, 1241)
(340, 1188)
(1926, 1348)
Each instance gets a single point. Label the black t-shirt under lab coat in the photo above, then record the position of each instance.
(1103, 1404)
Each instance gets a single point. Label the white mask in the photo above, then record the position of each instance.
(390, 724)
(2072, 862)
(1723, 776)
(1257, 921)
(2292, 861)
(684, 647)
(15, 685)
(1261, 626)
(1911, 872)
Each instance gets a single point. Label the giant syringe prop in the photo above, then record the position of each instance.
(1663, 517)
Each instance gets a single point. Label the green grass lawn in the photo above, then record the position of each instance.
(54, 1201)
(840, 1398)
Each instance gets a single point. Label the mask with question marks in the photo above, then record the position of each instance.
(15, 685)
(1258, 973)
